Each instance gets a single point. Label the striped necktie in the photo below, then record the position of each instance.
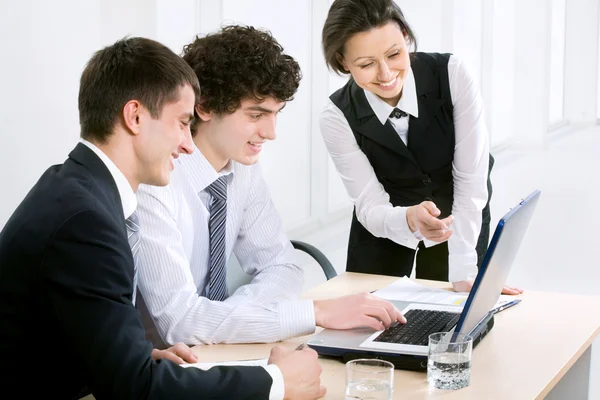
(133, 236)
(217, 284)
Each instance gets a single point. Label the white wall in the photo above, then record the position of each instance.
(428, 26)
(581, 61)
(41, 63)
(45, 46)
(504, 43)
(557, 62)
(290, 186)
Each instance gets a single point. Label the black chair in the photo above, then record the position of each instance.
(317, 255)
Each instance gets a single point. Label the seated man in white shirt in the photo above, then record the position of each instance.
(218, 204)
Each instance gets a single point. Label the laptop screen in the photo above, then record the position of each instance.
(497, 263)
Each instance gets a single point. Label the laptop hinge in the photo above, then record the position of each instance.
(482, 328)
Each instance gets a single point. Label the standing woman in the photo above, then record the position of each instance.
(408, 138)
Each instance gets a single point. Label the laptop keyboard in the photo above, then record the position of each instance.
(421, 323)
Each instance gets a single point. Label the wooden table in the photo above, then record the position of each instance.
(538, 349)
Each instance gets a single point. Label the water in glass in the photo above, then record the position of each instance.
(368, 389)
(449, 370)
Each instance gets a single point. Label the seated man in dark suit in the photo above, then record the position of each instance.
(68, 252)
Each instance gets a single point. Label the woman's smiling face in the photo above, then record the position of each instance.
(379, 61)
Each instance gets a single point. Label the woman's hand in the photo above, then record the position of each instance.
(466, 286)
(423, 218)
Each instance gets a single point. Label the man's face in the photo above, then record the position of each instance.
(161, 140)
(241, 135)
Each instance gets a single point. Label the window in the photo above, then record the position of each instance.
(557, 63)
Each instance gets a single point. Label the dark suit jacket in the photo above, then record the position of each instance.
(66, 282)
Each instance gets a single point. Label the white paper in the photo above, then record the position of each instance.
(405, 289)
(207, 365)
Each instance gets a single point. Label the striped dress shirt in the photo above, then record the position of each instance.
(174, 259)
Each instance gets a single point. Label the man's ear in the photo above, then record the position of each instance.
(132, 116)
(202, 113)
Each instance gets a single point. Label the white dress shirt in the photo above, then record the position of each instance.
(126, 193)
(174, 260)
(129, 203)
(128, 199)
(469, 169)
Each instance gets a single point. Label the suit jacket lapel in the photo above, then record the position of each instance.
(83, 155)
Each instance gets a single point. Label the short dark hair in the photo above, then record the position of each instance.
(238, 63)
(130, 69)
(349, 17)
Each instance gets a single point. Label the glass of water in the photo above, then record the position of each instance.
(449, 361)
(371, 379)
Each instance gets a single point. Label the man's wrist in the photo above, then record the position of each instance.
(317, 305)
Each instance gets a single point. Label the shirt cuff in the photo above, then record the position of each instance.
(462, 266)
(431, 243)
(396, 228)
(418, 235)
(296, 318)
(277, 388)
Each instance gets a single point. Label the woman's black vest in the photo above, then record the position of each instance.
(409, 174)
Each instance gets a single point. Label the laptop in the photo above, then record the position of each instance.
(406, 346)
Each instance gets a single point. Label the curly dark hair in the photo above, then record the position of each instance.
(238, 63)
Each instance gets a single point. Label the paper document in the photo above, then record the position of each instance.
(207, 365)
(405, 289)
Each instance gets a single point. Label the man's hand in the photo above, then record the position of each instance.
(355, 311)
(423, 218)
(179, 354)
(466, 286)
(301, 372)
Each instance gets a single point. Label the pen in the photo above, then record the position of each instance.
(505, 306)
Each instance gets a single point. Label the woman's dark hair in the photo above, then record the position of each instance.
(349, 17)
(238, 63)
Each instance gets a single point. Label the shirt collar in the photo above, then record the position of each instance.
(407, 103)
(200, 172)
(128, 199)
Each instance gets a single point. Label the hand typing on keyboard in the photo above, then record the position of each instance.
(421, 323)
(355, 311)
